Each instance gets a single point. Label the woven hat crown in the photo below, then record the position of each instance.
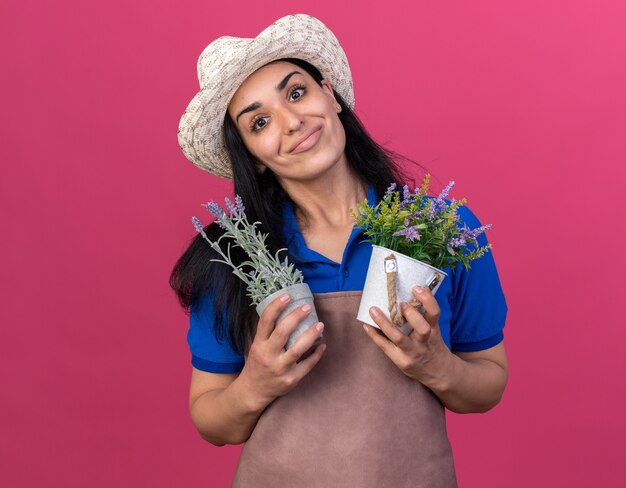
(223, 51)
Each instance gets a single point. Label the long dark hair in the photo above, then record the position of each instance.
(195, 275)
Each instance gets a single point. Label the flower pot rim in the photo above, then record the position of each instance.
(264, 303)
(411, 259)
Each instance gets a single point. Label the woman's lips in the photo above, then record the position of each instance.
(308, 141)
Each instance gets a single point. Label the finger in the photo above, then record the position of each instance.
(302, 368)
(388, 347)
(429, 302)
(304, 342)
(421, 327)
(270, 315)
(288, 324)
(391, 331)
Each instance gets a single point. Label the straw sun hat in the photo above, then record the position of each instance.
(225, 64)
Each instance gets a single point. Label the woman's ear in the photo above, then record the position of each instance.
(328, 89)
(260, 167)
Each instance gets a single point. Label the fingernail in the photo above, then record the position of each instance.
(418, 289)
(365, 328)
(284, 298)
(373, 312)
(403, 306)
(319, 327)
(306, 307)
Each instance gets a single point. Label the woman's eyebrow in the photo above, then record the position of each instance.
(279, 87)
(283, 83)
(249, 108)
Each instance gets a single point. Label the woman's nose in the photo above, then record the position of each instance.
(291, 119)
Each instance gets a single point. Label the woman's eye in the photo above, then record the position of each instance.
(258, 123)
(296, 93)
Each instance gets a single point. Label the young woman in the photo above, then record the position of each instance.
(363, 409)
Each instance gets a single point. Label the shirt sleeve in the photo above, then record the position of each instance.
(478, 305)
(207, 352)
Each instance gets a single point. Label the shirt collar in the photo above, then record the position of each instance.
(295, 240)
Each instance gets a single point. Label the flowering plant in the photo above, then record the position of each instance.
(263, 273)
(420, 226)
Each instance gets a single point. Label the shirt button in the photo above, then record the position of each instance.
(345, 272)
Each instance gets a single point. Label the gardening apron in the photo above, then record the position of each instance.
(354, 421)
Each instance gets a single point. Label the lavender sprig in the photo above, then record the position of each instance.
(410, 233)
(390, 190)
(263, 273)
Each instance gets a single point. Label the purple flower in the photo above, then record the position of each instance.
(440, 200)
(473, 234)
(215, 209)
(390, 190)
(199, 228)
(236, 209)
(457, 242)
(445, 191)
(407, 199)
(198, 225)
(239, 203)
(230, 206)
(410, 233)
(468, 234)
(432, 210)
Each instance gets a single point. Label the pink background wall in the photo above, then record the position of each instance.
(522, 103)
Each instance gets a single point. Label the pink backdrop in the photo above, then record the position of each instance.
(522, 103)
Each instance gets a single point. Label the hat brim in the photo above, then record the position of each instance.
(226, 63)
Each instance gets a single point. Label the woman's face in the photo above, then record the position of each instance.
(288, 122)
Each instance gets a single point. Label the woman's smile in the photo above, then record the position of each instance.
(307, 140)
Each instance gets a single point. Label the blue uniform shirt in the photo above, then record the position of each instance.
(473, 308)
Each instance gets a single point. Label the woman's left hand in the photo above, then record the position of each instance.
(421, 355)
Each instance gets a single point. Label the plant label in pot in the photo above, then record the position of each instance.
(393, 274)
(300, 294)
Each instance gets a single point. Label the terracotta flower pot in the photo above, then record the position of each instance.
(300, 294)
(408, 273)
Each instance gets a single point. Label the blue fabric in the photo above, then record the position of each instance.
(207, 352)
(473, 307)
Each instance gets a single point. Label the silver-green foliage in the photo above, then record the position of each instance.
(263, 273)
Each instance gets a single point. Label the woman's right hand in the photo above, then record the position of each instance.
(271, 371)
